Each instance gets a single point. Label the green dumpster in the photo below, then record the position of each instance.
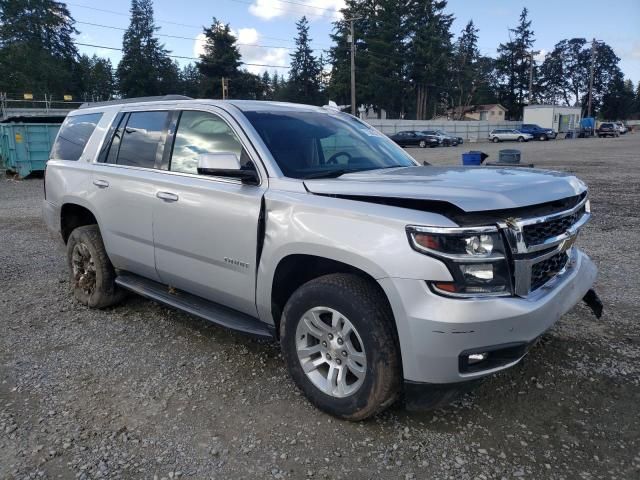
(25, 147)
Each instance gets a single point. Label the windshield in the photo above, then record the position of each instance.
(315, 144)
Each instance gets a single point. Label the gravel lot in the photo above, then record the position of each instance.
(142, 391)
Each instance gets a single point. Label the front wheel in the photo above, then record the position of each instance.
(543, 137)
(92, 275)
(422, 144)
(521, 139)
(495, 140)
(338, 341)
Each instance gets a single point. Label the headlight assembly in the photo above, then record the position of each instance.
(475, 257)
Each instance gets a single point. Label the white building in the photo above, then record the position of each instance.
(559, 118)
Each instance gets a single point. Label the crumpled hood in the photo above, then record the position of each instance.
(473, 189)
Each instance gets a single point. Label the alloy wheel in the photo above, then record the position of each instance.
(331, 352)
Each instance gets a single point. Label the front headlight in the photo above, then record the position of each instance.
(475, 257)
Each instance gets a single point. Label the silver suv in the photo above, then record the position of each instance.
(379, 277)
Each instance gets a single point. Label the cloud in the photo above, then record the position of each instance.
(540, 56)
(313, 9)
(248, 39)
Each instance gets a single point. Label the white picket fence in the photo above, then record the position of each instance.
(472, 131)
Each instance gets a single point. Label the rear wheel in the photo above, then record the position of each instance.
(339, 344)
(92, 275)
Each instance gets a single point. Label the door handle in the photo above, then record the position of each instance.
(101, 183)
(167, 196)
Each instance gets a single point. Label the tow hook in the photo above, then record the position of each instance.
(593, 301)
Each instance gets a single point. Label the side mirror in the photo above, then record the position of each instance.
(227, 164)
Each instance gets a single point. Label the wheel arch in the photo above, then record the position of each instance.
(73, 215)
(294, 270)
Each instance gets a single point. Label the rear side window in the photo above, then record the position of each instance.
(73, 136)
(141, 141)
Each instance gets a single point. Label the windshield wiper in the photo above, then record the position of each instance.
(329, 173)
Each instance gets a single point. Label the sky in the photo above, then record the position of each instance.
(266, 28)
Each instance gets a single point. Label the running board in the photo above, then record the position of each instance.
(200, 307)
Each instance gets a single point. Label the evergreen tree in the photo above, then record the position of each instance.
(37, 53)
(304, 75)
(565, 72)
(190, 80)
(513, 64)
(429, 53)
(617, 102)
(95, 78)
(145, 67)
(267, 86)
(384, 53)
(221, 59)
(465, 68)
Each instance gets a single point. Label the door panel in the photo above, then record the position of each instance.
(204, 228)
(206, 240)
(124, 198)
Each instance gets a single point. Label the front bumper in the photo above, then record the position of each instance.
(435, 330)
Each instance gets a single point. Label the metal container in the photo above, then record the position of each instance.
(509, 156)
(25, 147)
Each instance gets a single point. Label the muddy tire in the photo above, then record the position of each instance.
(91, 274)
(350, 375)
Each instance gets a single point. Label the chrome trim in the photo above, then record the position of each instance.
(554, 216)
(452, 230)
(467, 295)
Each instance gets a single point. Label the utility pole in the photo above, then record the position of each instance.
(593, 60)
(225, 88)
(531, 54)
(352, 40)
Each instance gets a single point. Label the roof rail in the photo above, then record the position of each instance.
(135, 100)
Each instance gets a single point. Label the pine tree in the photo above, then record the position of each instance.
(267, 86)
(466, 73)
(429, 53)
(513, 64)
(190, 80)
(145, 67)
(221, 59)
(304, 76)
(37, 53)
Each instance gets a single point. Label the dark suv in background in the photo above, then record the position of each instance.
(607, 129)
(537, 131)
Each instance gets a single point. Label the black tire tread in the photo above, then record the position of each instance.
(106, 293)
(368, 297)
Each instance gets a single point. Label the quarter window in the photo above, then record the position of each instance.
(141, 142)
(73, 136)
(198, 133)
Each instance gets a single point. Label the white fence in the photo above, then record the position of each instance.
(472, 131)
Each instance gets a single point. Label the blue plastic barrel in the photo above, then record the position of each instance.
(472, 158)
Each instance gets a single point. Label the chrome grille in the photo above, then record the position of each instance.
(545, 270)
(541, 247)
(539, 232)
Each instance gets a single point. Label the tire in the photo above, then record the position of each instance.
(543, 137)
(91, 273)
(495, 140)
(521, 139)
(351, 299)
(422, 144)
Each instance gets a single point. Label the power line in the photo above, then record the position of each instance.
(185, 38)
(182, 56)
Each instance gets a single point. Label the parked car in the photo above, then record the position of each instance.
(537, 131)
(379, 277)
(622, 128)
(607, 129)
(506, 134)
(411, 138)
(444, 139)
